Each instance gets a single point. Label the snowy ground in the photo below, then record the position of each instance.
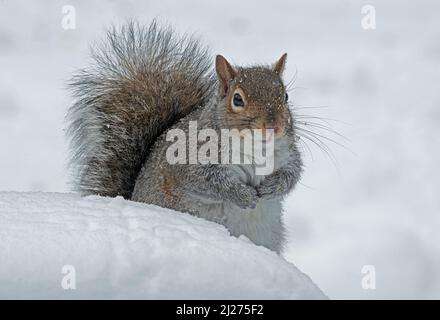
(113, 248)
(380, 207)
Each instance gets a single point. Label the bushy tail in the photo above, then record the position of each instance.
(142, 80)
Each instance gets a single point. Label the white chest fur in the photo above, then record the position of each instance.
(263, 225)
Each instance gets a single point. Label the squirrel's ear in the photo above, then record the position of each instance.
(225, 72)
(280, 65)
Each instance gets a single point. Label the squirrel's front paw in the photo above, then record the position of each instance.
(245, 197)
(270, 188)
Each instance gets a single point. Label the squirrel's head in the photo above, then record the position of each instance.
(253, 97)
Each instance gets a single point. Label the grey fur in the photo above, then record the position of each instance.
(119, 139)
(232, 195)
(142, 80)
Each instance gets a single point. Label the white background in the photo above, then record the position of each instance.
(378, 205)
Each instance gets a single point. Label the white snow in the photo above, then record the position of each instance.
(122, 249)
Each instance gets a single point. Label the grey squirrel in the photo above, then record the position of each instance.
(146, 80)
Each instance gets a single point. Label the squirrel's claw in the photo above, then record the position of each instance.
(246, 197)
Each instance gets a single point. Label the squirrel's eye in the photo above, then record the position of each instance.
(287, 97)
(238, 100)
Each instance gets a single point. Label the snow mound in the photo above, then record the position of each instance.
(63, 246)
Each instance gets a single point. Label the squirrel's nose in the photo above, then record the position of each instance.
(271, 125)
